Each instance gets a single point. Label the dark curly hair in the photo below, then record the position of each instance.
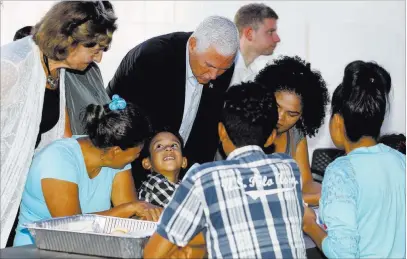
(294, 75)
(250, 114)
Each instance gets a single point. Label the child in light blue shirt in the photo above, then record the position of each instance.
(363, 200)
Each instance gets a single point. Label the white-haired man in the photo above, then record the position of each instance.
(257, 26)
(179, 80)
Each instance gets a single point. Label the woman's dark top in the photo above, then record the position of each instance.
(50, 112)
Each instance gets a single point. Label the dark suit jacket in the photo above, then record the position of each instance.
(152, 75)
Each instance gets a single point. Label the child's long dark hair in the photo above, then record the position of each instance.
(362, 99)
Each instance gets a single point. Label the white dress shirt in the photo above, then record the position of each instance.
(193, 93)
(243, 73)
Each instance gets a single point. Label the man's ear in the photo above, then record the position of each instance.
(146, 163)
(248, 33)
(192, 43)
(223, 135)
(184, 162)
(339, 120)
(339, 124)
(271, 138)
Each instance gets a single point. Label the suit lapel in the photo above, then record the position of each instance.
(179, 69)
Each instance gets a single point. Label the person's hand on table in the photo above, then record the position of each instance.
(312, 228)
(147, 211)
(311, 192)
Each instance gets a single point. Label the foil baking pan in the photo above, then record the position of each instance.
(93, 235)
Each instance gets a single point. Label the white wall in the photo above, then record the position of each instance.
(329, 34)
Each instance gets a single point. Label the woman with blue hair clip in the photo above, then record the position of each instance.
(85, 174)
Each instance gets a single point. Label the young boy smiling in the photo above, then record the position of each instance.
(164, 162)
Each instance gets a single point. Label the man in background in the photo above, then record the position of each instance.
(257, 26)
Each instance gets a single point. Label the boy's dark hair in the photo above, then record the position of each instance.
(23, 32)
(294, 75)
(250, 114)
(361, 99)
(139, 178)
(146, 150)
(395, 141)
(125, 128)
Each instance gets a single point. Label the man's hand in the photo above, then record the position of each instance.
(309, 219)
(311, 227)
(147, 211)
(311, 192)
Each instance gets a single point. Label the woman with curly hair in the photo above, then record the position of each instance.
(301, 96)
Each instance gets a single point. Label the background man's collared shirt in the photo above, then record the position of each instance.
(243, 73)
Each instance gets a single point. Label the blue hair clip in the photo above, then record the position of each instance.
(117, 103)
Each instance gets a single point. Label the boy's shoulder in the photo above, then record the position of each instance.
(200, 170)
(282, 158)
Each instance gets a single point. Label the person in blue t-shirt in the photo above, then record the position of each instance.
(85, 174)
(363, 202)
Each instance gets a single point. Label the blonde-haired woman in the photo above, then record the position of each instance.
(72, 34)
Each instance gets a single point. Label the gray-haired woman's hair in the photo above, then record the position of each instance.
(69, 23)
(218, 32)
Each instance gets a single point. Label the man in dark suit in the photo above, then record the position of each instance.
(179, 80)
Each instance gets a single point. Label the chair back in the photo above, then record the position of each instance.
(321, 158)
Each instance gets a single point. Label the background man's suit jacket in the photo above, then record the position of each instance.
(152, 75)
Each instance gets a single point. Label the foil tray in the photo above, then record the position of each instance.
(91, 235)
